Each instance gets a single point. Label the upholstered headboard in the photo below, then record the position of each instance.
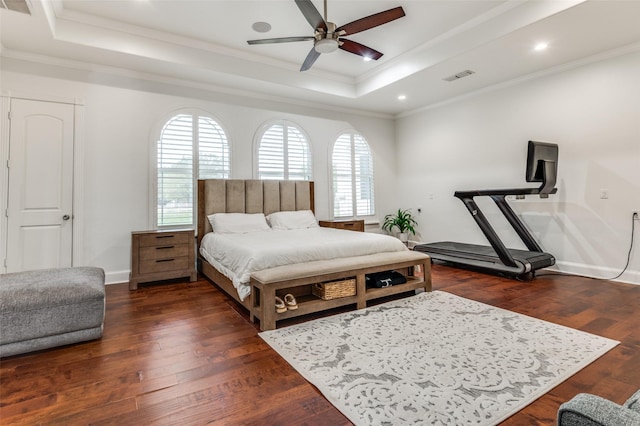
(250, 196)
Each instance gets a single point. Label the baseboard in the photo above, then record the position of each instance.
(598, 272)
(117, 277)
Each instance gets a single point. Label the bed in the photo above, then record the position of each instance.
(257, 288)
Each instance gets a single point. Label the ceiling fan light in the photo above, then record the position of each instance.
(326, 45)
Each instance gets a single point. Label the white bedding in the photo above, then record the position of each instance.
(237, 256)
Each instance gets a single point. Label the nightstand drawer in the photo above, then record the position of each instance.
(349, 225)
(164, 239)
(164, 252)
(162, 255)
(167, 264)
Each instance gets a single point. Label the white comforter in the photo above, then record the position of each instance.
(237, 256)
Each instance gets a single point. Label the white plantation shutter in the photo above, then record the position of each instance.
(284, 153)
(175, 171)
(352, 172)
(342, 165)
(298, 156)
(213, 150)
(363, 177)
(271, 158)
(186, 137)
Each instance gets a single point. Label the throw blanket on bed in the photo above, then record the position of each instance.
(237, 256)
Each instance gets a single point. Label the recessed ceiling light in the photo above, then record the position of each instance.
(402, 97)
(261, 27)
(366, 58)
(541, 46)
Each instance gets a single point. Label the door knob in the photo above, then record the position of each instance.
(66, 217)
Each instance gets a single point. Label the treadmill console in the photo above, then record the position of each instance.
(542, 165)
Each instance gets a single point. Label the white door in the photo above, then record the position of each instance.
(40, 195)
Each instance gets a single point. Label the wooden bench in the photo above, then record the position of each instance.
(298, 280)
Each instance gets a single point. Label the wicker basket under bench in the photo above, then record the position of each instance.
(299, 279)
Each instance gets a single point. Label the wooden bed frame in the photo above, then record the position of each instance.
(246, 196)
(256, 196)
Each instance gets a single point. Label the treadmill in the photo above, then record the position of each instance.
(542, 161)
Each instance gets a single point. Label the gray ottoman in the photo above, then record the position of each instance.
(52, 307)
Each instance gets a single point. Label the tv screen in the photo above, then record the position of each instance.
(542, 164)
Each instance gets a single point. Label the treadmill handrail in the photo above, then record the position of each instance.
(490, 192)
(498, 196)
(488, 231)
(516, 223)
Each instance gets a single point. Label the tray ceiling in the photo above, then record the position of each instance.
(204, 42)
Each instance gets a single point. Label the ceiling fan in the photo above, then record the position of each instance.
(328, 38)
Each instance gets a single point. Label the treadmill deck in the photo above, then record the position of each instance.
(485, 257)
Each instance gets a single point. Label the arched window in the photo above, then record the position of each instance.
(352, 173)
(284, 153)
(191, 146)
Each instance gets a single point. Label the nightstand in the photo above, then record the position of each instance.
(162, 255)
(350, 225)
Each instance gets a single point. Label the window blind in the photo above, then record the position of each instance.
(284, 153)
(363, 177)
(184, 138)
(352, 173)
(213, 150)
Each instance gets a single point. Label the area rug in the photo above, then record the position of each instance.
(434, 359)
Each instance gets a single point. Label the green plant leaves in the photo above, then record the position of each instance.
(403, 220)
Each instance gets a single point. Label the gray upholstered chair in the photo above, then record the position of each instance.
(591, 410)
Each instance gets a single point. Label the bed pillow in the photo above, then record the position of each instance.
(238, 223)
(300, 219)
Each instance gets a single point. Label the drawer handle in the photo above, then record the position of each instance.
(164, 236)
(165, 260)
(164, 247)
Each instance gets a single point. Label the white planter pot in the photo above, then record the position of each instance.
(404, 237)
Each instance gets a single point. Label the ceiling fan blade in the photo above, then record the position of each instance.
(371, 21)
(310, 59)
(311, 13)
(280, 40)
(359, 49)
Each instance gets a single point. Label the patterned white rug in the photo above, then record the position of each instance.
(434, 359)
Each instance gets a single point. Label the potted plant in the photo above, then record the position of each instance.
(404, 221)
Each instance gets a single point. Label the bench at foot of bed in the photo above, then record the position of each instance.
(298, 280)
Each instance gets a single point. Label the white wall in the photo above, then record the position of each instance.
(592, 112)
(124, 115)
(479, 142)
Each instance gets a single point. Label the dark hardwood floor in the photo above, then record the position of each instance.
(183, 353)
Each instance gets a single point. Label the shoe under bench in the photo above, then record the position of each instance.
(298, 280)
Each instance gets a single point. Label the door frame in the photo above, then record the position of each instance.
(77, 251)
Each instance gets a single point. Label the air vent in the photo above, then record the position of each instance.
(16, 5)
(460, 75)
